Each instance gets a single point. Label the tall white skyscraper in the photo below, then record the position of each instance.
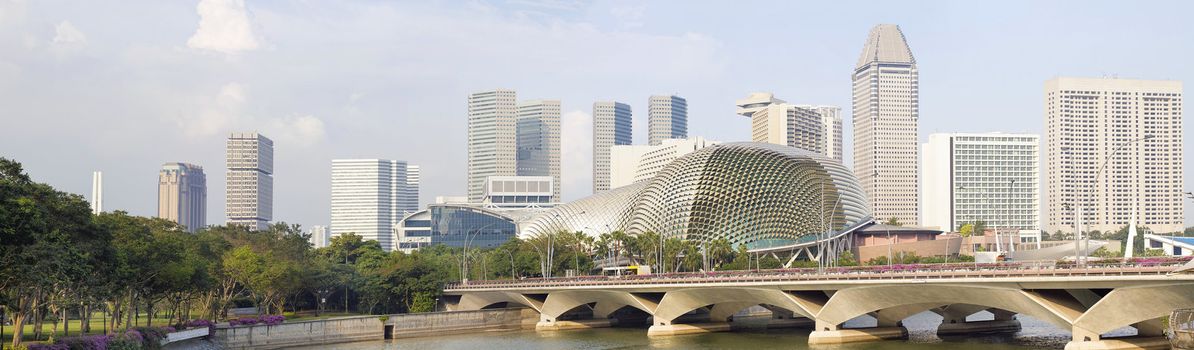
(97, 192)
(369, 196)
(612, 126)
(667, 118)
(319, 236)
(539, 140)
(989, 177)
(812, 128)
(492, 138)
(886, 113)
(182, 195)
(249, 199)
(1086, 121)
(411, 197)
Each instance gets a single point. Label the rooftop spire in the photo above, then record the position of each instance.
(886, 44)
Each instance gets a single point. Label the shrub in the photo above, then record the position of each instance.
(48, 347)
(151, 337)
(90, 342)
(124, 343)
(273, 320)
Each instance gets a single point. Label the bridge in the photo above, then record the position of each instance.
(1089, 300)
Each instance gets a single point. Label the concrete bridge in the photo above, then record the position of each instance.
(1089, 300)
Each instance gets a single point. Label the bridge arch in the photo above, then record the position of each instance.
(849, 303)
(481, 300)
(1127, 306)
(678, 302)
(559, 303)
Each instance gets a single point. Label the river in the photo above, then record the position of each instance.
(1035, 334)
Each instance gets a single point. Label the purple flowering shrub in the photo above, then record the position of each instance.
(273, 320)
(87, 342)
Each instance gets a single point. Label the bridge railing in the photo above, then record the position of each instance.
(1106, 267)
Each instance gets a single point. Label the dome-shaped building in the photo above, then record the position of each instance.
(754, 194)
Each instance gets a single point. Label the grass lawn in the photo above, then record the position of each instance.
(97, 327)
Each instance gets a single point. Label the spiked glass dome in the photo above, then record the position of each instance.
(754, 194)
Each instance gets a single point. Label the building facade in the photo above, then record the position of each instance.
(1087, 120)
(612, 126)
(455, 226)
(492, 138)
(988, 177)
(634, 163)
(369, 196)
(249, 199)
(182, 195)
(831, 123)
(539, 140)
(886, 113)
(667, 118)
(513, 192)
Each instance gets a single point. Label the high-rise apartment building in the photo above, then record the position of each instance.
(812, 128)
(539, 140)
(988, 177)
(667, 118)
(886, 112)
(97, 192)
(182, 195)
(492, 138)
(249, 199)
(369, 196)
(612, 126)
(831, 122)
(1113, 148)
(634, 163)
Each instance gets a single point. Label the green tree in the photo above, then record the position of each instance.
(893, 221)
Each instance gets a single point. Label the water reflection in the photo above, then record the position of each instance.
(1035, 334)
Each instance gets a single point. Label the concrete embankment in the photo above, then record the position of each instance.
(367, 328)
(318, 332)
(439, 323)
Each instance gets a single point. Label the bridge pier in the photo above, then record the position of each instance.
(828, 333)
(1149, 335)
(781, 318)
(954, 323)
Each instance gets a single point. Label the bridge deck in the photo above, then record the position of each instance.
(1138, 267)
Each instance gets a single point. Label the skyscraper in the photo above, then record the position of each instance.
(97, 192)
(612, 126)
(812, 128)
(1087, 120)
(369, 196)
(492, 138)
(886, 112)
(319, 236)
(182, 195)
(411, 196)
(989, 177)
(539, 140)
(249, 188)
(667, 118)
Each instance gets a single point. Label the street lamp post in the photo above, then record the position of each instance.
(1095, 185)
(464, 258)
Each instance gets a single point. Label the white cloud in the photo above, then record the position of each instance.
(224, 26)
(65, 33)
(229, 111)
(576, 145)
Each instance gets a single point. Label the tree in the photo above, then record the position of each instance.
(893, 221)
(966, 230)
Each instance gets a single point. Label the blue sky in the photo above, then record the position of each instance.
(125, 86)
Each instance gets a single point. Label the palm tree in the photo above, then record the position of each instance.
(720, 251)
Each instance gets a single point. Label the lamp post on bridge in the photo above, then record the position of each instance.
(1080, 259)
(464, 256)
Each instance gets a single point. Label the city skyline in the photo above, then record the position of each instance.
(310, 131)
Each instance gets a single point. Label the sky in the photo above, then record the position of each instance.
(124, 86)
